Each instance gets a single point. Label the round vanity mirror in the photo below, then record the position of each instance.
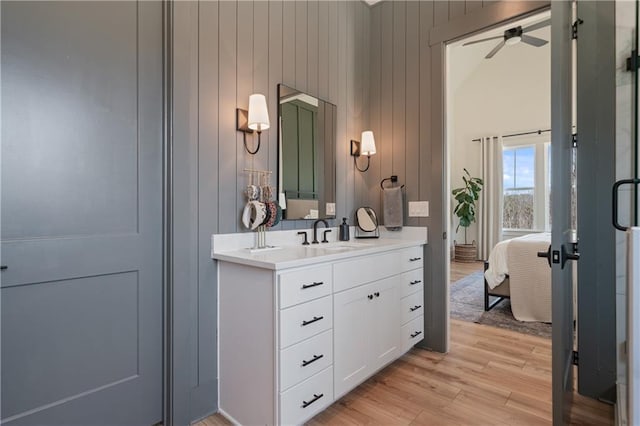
(367, 219)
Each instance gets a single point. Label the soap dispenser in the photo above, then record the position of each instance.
(344, 230)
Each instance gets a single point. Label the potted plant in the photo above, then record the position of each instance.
(466, 197)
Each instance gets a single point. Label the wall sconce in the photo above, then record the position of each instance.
(257, 118)
(366, 147)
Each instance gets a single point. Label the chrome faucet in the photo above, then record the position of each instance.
(315, 230)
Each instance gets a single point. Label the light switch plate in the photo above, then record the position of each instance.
(418, 209)
(331, 208)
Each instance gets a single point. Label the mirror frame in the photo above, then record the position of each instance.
(329, 176)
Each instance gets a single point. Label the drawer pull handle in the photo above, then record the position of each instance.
(415, 308)
(417, 333)
(315, 284)
(305, 404)
(370, 296)
(415, 282)
(413, 259)
(315, 358)
(312, 321)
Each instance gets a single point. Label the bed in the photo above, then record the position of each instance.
(514, 271)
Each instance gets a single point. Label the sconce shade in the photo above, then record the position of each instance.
(368, 143)
(258, 113)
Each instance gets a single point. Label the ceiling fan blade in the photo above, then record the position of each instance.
(533, 41)
(495, 50)
(481, 40)
(537, 26)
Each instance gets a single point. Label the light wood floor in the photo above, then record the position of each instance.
(460, 270)
(490, 376)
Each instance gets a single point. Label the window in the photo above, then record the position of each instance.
(526, 187)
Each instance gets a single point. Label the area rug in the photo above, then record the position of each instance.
(467, 304)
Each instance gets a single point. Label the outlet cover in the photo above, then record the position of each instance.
(331, 208)
(418, 209)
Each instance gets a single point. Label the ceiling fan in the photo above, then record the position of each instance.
(514, 36)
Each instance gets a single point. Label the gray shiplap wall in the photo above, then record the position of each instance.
(223, 52)
(379, 65)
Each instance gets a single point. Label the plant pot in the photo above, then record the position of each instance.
(466, 253)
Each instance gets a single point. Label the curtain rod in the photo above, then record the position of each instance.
(536, 132)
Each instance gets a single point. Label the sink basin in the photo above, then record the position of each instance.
(338, 246)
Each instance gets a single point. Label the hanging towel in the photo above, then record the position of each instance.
(392, 208)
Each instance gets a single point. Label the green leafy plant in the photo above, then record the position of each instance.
(466, 197)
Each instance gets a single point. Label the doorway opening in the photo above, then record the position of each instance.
(498, 132)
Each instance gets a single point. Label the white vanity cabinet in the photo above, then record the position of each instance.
(294, 339)
(366, 337)
(369, 315)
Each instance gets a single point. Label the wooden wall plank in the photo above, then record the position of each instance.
(227, 78)
(184, 271)
(437, 289)
(208, 179)
(342, 103)
(323, 50)
(289, 43)
(289, 58)
(301, 37)
(375, 108)
(333, 53)
(244, 88)
(412, 109)
(427, 17)
(426, 23)
(384, 144)
(456, 9)
(312, 47)
(352, 120)
(261, 82)
(399, 92)
(275, 77)
(471, 5)
(440, 12)
(362, 181)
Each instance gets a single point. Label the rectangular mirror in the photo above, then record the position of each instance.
(306, 155)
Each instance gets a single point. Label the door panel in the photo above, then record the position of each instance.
(352, 330)
(596, 101)
(561, 157)
(95, 326)
(386, 322)
(81, 212)
(70, 123)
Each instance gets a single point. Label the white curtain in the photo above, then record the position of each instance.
(490, 211)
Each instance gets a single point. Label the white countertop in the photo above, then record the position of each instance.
(290, 253)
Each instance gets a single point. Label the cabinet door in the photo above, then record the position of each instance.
(385, 338)
(351, 330)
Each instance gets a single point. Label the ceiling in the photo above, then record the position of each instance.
(469, 58)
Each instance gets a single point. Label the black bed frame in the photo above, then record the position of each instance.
(488, 304)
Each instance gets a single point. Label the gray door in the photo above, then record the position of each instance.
(81, 223)
(562, 234)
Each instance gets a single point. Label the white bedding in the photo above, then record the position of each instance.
(498, 258)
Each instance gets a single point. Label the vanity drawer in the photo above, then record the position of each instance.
(304, 284)
(305, 359)
(306, 320)
(411, 282)
(412, 258)
(352, 273)
(305, 400)
(412, 306)
(412, 332)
